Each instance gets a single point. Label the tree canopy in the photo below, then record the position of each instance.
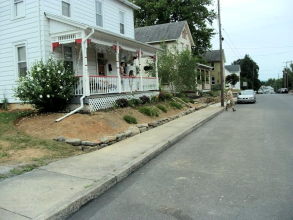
(249, 72)
(233, 79)
(195, 12)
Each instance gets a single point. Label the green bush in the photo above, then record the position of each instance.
(211, 93)
(176, 105)
(130, 119)
(5, 104)
(169, 96)
(145, 99)
(180, 95)
(47, 85)
(162, 108)
(150, 111)
(155, 99)
(134, 102)
(122, 103)
(162, 96)
(186, 100)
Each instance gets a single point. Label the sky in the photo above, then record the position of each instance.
(263, 29)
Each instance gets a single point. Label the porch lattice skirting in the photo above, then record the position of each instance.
(99, 103)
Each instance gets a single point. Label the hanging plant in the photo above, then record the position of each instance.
(102, 61)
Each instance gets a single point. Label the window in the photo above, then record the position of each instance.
(213, 80)
(21, 60)
(182, 47)
(66, 8)
(213, 65)
(121, 19)
(18, 8)
(99, 14)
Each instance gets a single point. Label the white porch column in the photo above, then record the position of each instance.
(85, 73)
(118, 68)
(140, 71)
(205, 79)
(157, 73)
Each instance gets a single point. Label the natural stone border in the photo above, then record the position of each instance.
(131, 131)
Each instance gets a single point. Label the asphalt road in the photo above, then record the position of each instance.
(239, 165)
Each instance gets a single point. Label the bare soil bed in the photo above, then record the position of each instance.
(84, 126)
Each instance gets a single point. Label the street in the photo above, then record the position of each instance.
(239, 165)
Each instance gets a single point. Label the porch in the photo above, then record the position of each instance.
(99, 85)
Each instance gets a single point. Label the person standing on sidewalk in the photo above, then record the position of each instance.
(230, 99)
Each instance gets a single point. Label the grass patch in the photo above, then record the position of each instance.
(175, 105)
(4, 154)
(149, 111)
(162, 108)
(17, 142)
(130, 119)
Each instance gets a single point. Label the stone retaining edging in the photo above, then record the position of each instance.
(131, 131)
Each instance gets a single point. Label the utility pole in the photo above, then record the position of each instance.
(221, 57)
(285, 72)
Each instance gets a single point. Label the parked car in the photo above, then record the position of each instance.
(246, 96)
(283, 90)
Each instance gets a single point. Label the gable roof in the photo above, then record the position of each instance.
(157, 33)
(213, 56)
(233, 68)
(126, 2)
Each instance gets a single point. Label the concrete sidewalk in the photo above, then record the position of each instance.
(61, 188)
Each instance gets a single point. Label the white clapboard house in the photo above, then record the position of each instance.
(93, 36)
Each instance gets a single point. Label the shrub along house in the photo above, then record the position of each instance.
(93, 37)
(175, 33)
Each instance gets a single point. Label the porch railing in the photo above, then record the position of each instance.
(109, 84)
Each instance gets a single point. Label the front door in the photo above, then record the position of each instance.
(68, 57)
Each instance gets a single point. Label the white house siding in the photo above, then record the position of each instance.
(14, 31)
(84, 12)
(227, 73)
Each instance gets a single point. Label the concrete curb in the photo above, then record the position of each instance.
(63, 209)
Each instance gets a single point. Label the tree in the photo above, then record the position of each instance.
(178, 70)
(289, 74)
(249, 72)
(232, 79)
(195, 12)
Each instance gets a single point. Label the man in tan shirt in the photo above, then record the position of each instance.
(230, 98)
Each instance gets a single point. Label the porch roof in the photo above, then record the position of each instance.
(104, 37)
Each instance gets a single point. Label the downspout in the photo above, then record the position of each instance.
(84, 92)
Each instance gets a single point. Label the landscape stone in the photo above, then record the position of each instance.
(142, 125)
(73, 142)
(103, 145)
(111, 138)
(143, 129)
(135, 130)
(120, 137)
(63, 139)
(89, 143)
(105, 140)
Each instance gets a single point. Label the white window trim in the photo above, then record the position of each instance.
(12, 10)
(15, 57)
(70, 2)
(102, 2)
(124, 18)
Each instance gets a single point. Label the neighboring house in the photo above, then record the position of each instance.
(175, 33)
(233, 69)
(213, 58)
(92, 36)
(266, 90)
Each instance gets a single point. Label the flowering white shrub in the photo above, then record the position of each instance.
(47, 86)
